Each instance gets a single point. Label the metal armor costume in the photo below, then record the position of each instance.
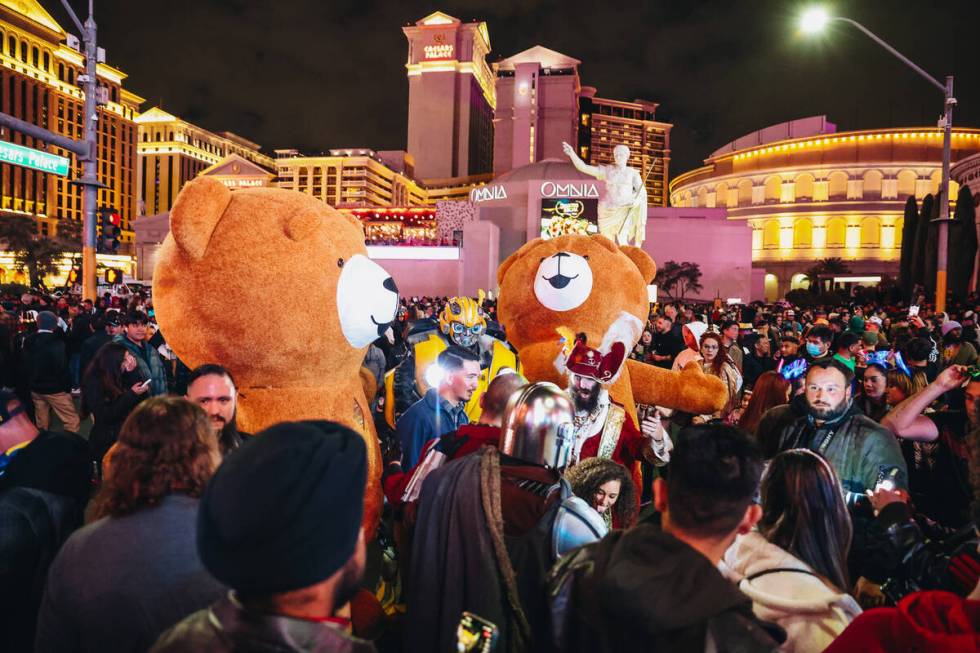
(462, 322)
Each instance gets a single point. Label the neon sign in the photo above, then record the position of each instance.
(487, 193)
(442, 51)
(583, 190)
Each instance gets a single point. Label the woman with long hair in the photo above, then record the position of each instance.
(111, 389)
(717, 362)
(608, 487)
(770, 390)
(134, 571)
(794, 565)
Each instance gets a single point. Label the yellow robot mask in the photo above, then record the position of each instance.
(463, 321)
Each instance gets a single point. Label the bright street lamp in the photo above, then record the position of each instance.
(814, 20)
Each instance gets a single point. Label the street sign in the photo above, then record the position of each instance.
(19, 155)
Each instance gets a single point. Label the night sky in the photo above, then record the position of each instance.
(321, 74)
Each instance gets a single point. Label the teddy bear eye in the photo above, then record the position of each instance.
(586, 257)
(340, 263)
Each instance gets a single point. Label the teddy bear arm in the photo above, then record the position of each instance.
(689, 390)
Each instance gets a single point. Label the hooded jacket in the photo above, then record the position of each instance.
(687, 354)
(786, 591)
(924, 622)
(645, 590)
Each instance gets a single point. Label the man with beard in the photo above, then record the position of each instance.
(603, 428)
(287, 589)
(862, 451)
(211, 387)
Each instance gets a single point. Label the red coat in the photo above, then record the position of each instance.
(922, 622)
(628, 451)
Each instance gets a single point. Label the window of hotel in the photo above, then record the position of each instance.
(899, 226)
(23, 51)
(773, 187)
(836, 231)
(837, 185)
(745, 192)
(703, 197)
(906, 183)
(770, 234)
(47, 61)
(721, 194)
(35, 56)
(804, 186)
(872, 184)
(803, 233)
(12, 45)
(870, 232)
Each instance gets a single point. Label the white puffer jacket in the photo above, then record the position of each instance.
(811, 611)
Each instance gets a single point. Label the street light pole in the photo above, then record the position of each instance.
(90, 162)
(946, 123)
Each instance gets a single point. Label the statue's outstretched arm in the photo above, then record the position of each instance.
(579, 164)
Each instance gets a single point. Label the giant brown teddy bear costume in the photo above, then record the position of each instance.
(585, 284)
(277, 287)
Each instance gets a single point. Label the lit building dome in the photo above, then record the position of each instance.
(811, 193)
(545, 169)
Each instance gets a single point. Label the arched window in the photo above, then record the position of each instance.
(837, 185)
(47, 61)
(35, 57)
(703, 197)
(872, 184)
(721, 194)
(771, 287)
(770, 234)
(836, 232)
(798, 281)
(774, 187)
(804, 186)
(170, 136)
(745, 192)
(802, 233)
(899, 226)
(906, 184)
(870, 232)
(23, 51)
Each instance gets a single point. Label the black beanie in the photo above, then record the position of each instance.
(283, 511)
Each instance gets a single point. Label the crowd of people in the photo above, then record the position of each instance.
(831, 503)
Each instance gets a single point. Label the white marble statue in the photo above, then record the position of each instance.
(623, 207)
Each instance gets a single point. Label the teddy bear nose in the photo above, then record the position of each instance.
(389, 284)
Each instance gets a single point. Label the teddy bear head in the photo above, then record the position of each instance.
(273, 284)
(581, 282)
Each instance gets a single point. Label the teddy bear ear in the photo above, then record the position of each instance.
(642, 260)
(301, 226)
(196, 213)
(502, 270)
(605, 242)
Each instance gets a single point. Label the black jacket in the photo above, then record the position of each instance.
(908, 553)
(108, 414)
(46, 364)
(43, 491)
(753, 366)
(227, 627)
(645, 590)
(90, 347)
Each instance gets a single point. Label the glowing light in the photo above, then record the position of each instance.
(434, 376)
(814, 20)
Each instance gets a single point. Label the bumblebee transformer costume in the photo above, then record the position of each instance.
(463, 323)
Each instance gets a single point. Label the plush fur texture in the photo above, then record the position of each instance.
(249, 279)
(588, 282)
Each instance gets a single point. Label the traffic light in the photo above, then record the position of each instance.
(110, 223)
(113, 276)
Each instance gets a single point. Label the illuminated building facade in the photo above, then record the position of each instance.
(171, 152)
(537, 107)
(604, 124)
(348, 178)
(450, 97)
(811, 193)
(39, 83)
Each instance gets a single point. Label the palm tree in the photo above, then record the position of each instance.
(39, 255)
(825, 267)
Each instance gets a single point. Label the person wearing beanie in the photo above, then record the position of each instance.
(288, 543)
(692, 332)
(45, 363)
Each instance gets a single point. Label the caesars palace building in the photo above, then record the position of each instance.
(809, 193)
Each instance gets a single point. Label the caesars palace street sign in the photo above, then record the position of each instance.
(571, 190)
